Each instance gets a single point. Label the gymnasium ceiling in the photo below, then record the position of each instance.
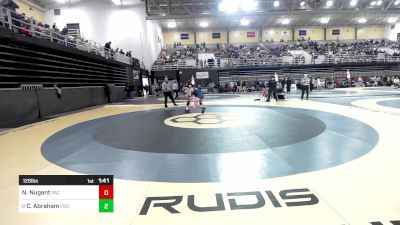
(48, 4)
(188, 14)
(275, 21)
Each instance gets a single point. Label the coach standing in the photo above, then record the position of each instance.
(288, 85)
(305, 86)
(167, 89)
(272, 89)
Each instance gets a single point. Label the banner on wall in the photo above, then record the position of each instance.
(184, 36)
(285, 33)
(201, 75)
(336, 31)
(251, 34)
(303, 32)
(216, 35)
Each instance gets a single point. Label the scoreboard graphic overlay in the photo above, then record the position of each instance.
(66, 193)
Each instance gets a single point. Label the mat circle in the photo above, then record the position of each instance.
(277, 142)
(394, 103)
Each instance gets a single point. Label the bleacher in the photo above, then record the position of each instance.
(44, 73)
(24, 61)
(29, 27)
(282, 53)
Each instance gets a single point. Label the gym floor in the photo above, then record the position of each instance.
(333, 159)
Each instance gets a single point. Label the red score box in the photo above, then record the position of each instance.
(106, 192)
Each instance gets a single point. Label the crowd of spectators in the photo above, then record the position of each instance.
(357, 48)
(179, 54)
(256, 52)
(176, 55)
(270, 52)
(22, 24)
(111, 53)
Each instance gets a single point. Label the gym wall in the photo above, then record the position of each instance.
(126, 27)
(277, 34)
(30, 10)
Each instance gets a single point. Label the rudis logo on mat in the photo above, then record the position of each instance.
(285, 198)
(208, 120)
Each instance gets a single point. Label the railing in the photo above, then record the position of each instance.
(27, 26)
(230, 63)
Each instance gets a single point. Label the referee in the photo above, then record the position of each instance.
(305, 86)
(167, 89)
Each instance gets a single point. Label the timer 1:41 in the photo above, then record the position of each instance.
(104, 180)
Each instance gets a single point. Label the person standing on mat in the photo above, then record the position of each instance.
(272, 89)
(305, 86)
(167, 89)
(189, 94)
(175, 87)
(288, 84)
(195, 95)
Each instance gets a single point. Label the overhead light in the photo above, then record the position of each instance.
(329, 3)
(244, 22)
(285, 21)
(203, 24)
(249, 5)
(276, 3)
(117, 2)
(324, 20)
(397, 2)
(362, 20)
(231, 6)
(302, 3)
(171, 25)
(353, 3)
(228, 6)
(392, 19)
(373, 3)
(60, 1)
(271, 32)
(379, 2)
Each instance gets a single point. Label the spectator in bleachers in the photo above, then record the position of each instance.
(64, 31)
(27, 31)
(107, 49)
(54, 27)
